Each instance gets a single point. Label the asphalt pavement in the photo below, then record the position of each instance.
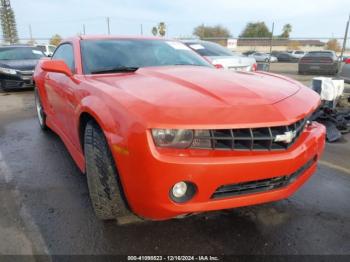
(45, 206)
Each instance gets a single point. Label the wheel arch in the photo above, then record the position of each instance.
(94, 109)
(84, 118)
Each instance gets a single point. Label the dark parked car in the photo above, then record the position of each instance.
(345, 71)
(17, 65)
(325, 62)
(286, 57)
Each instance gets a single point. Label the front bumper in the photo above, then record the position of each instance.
(148, 173)
(20, 81)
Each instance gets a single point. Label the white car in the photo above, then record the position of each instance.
(48, 50)
(222, 57)
(263, 57)
(273, 59)
(298, 53)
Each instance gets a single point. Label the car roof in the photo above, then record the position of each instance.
(197, 41)
(322, 51)
(101, 37)
(192, 40)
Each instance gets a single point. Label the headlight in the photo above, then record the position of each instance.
(8, 71)
(174, 138)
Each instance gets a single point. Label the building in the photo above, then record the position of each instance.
(263, 45)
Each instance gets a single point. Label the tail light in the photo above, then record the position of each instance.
(219, 66)
(254, 67)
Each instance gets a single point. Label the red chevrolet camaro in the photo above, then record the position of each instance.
(161, 133)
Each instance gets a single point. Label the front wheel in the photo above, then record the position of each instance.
(102, 176)
(40, 110)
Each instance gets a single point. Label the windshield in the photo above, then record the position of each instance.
(52, 48)
(20, 53)
(210, 49)
(320, 54)
(102, 55)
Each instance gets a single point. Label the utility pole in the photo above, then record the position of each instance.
(345, 38)
(84, 32)
(30, 33)
(141, 28)
(108, 26)
(273, 27)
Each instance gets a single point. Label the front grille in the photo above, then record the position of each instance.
(261, 185)
(28, 72)
(251, 139)
(11, 84)
(26, 75)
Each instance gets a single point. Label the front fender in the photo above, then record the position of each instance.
(102, 114)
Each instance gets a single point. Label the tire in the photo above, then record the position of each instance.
(40, 110)
(266, 60)
(102, 176)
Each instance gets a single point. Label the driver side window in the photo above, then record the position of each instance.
(65, 52)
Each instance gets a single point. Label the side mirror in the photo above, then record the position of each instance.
(56, 66)
(347, 61)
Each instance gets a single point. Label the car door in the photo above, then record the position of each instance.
(258, 57)
(61, 92)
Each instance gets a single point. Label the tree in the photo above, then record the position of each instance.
(287, 29)
(55, 40)
(258, 29)
(203, 31)
(293, 45)
(161, 29)
(8, 22)
(334, 45)
(154, 31)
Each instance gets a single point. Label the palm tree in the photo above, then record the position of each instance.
(161, 29)
(154, 30)
(287, 29)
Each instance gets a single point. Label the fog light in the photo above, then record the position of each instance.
(182, 191)
(179, 189)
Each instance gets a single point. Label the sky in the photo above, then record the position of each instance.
(309, 18)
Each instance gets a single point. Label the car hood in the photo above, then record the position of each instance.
(184, 96)
(232, 61)
(213, 87)
(19, 64)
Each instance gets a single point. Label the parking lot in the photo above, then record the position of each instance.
(46, 209)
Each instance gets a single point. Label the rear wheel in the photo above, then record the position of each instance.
(102, 176)
(40, 110)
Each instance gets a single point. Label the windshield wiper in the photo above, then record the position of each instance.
(117, 69)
